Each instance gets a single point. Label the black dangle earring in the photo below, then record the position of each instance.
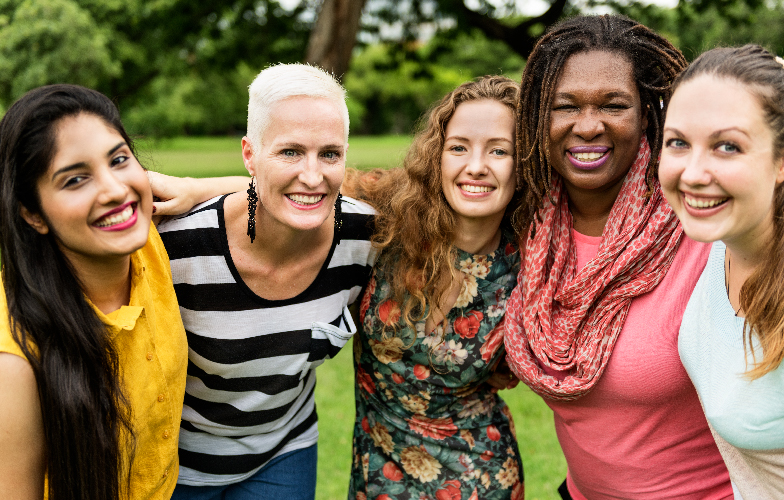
(253, 197)
(338, 215)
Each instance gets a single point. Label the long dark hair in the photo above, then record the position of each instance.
(762, 295)
(655, 62)
(85, 415)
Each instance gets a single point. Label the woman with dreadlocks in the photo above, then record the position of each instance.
(593, 324)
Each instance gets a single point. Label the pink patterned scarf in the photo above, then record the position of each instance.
(569, 321)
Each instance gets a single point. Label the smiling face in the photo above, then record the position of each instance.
(718, 168)
(95, 196)
(596, 122)
(300, 164)
(477, 162)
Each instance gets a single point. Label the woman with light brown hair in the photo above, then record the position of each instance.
(428, 422)
(722, 170)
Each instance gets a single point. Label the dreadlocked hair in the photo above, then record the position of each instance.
(415, 226)
(655, 62)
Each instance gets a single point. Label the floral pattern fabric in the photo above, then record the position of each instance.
(428, 426)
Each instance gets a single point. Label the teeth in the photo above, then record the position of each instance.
(305, 199)
(118, 218)
(469, 188)
(587, 156)
(692, 202)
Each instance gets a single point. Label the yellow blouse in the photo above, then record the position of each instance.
(153, 355)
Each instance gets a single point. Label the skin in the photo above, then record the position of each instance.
(301, 154)
(722, 155)
(92, 174)
(478, 154)
(22, 465)
(596, 104)
(478, 151)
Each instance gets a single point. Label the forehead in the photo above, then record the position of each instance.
(82, 136)
(300, 117)
(484, 117)
(707, 103)
(596, 72)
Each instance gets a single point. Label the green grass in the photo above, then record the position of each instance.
(543, 461)
(216, 156)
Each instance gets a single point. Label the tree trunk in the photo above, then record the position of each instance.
(334, 35)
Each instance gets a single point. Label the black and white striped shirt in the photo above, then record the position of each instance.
(251, 376)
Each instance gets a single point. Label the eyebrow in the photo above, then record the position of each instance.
(82, 164)
(465, 139)
(713, 135)
(614, 93)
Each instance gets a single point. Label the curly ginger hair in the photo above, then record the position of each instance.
(415, 226)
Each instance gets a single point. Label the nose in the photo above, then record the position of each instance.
(588, 124)
(696, 171)
(477, 164)
(311, 174)
(112, 188)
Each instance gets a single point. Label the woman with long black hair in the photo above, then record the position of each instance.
(92, 349)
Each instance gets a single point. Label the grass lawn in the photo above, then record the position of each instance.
(543, 461)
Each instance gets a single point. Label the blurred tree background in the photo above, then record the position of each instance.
(182, 67)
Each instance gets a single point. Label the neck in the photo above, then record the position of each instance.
(106, 282)
(591, 208)
(478, 237)
(740, 262)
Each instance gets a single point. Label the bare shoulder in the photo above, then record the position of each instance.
(21, 430)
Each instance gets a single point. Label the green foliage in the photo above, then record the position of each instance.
(173, 66)
(695, 27)
(391, 85)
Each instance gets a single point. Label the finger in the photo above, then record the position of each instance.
(169, 207)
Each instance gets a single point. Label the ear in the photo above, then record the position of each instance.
(644, 120)
(247, 156)
(35, 220)
(780, 175)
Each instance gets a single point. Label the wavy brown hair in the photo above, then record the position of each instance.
(415, 226)
(762, 295)
(655, 62)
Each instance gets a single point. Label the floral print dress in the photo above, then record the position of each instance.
(428, 426)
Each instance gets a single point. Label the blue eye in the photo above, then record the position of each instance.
(331, 155)
(458, 149)
(728, 147)
(499, 152)
(289, 153)
(676, 143)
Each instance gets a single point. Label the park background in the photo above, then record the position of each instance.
(179, 71)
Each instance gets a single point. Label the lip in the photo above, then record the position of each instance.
(299, 206)
(703, 212)
(588, 165)
(124, 225)
(468, 194)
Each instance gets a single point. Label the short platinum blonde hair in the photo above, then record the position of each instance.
(283, 81)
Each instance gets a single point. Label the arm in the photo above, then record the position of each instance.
(180, 194)
(22, 465)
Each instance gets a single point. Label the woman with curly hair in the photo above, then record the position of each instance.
(428, 423)
(593, 325)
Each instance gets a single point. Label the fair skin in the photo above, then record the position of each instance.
(596, 124)
(96, 200)
(299, 166)
(719, 170)
(478, 180)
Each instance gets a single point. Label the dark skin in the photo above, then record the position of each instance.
(596, 104)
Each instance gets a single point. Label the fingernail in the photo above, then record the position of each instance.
(154, 209)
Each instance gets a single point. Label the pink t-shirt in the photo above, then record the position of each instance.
(641, 433)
